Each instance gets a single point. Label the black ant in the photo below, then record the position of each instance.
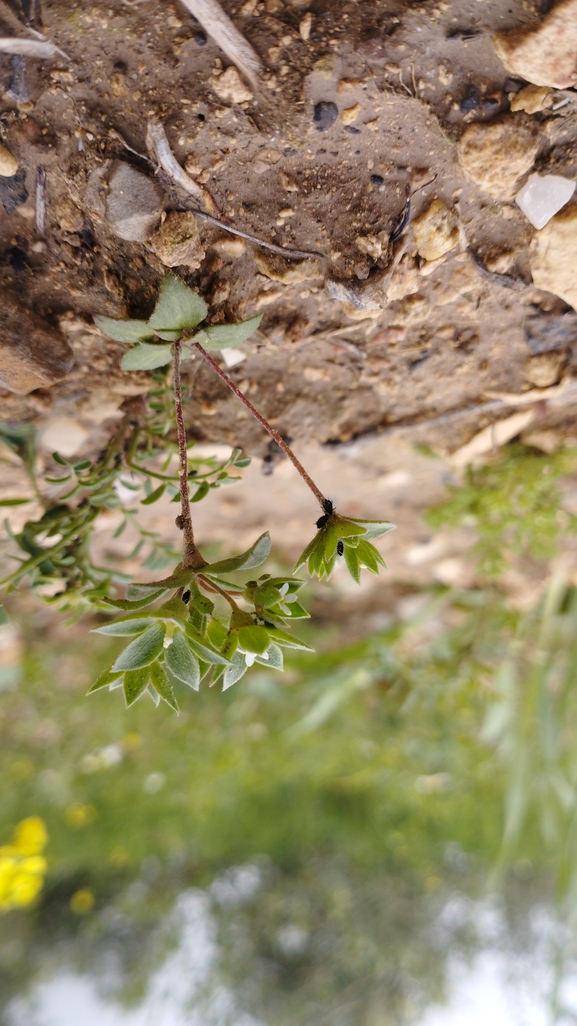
(329, 510)
(340, 548)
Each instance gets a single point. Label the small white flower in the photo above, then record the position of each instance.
(250, 658)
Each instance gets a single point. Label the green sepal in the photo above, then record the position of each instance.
(135, 683)
(143, 650)
(162, 685)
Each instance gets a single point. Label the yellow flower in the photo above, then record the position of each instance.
(79, 815)
(82, 901)
(22, 867)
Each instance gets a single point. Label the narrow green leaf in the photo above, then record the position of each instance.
(135, 684)
(252, 557)
(352, 562)
(200, 492)
(124, 628)
(108, 677)
(287, 640)
(123, 331)
(141, 604)
(146, 357)
(374, 528)
(154, 496)
(203, 647)
(306, 553)
(162, 685)
(369, 556)
(14, 502)
(136, 592)
(143, 650)
(223, 336)
(182, 663)
(60, 459)
(177, 306)
(235, 671)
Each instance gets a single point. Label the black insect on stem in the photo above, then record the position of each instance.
(329, 510)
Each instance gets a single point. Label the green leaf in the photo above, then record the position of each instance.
(60, 459)
(137, 592)
(146, 357)
(202, 647)
(252, 557)
(203, 604)
(125, 627)
(234, 672)
(374, 528)
(273, 658)
(154, 496)
(267, 595)
(254, 639)
(106, 678)
(223, 336)
(123, 331)
(135, 684)
(169, 336)
(177, 306)
(140, 604)
(162, 685)
(13, 502)
(306, 553)
(287, 640)
(182, 663)
(200, 492)
(143, 650)
(369, 556)
(352, 562)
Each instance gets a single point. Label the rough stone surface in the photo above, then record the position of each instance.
(8, 163)
(495, 156)
(32, 354)
(532, 99)
(435, 231)
(290, 273)
(176, 242)
(553, 256)
(544, 196)
(230, 86)
(133, 204)
(325, 115)
(545, 369)
(546, 54)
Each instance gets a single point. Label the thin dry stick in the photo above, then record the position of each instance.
(192, 556)
(224, 32)
(265, 424)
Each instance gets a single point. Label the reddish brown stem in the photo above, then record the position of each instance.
(192, 555)
(265, 424)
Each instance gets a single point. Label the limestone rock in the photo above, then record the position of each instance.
(404, 280)
(33, 354)
(68, 216)
(494, 156)
(435, 231)
(177, 241)
(532, 99)
(350, 114)
(230, 86)
(545, 369)
(289, 272)
(544, 54)
(553, 256)
(8, 163)
(133, 203)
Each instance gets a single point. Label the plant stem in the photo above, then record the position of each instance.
(209, 585)
(265, 424)
(192, 555)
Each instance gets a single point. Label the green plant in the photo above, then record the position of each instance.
(200, 631)
(514, 505)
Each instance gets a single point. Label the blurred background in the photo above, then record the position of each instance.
(384, 834)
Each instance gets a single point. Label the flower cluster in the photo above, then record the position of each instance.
(22, 865)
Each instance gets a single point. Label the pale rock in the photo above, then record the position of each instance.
(305, 26)
(264, 159)
(64, 435)
(229, 248)
(532, 99)
(133, 203)
(462, 280)
(435, 231)
(354, 314)
(412, 310)
(288, 272)
(545, 369)
(553, 256)
(370, 245)
(543, 196)
(265, 298)
(177, 241)
(404, 280)
(492, 438)
(348, 85)
(350, 114)
(494, 156)
(326, 66)
(33, 354)
(546, 440)
(68, 216)
(8, 163)
(230, 86)
(288, 183)
(232, 357)
(544, 54)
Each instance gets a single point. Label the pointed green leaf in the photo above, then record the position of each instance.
(306, 553)
(154, 496)
(143, 650)
(146, 357)
(106, 678)
(369, 556)
(287, 640)
(223, 336)
(13, 502)
(124, 627)
(177, 306)
(297, 612)
(235, 671)
(135, 684)
(162, 685)
(140, 604)
(203, 647)
(374, 528)
(182, 663)
(169, 336)
(138, 592)
(252, 557)
(273, 657)
(352, 562)
(123, 331)
(254, 639)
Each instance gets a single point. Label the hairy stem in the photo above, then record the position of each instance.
(209, 585)
(192, 555)
(265, 424)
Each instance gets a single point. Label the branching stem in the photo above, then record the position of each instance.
(265, 424)
(192, 555)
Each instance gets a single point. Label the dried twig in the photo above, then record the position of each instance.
(30, 47)
(218, 25)
(7, 15)
(162, 155)
(41, 201)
